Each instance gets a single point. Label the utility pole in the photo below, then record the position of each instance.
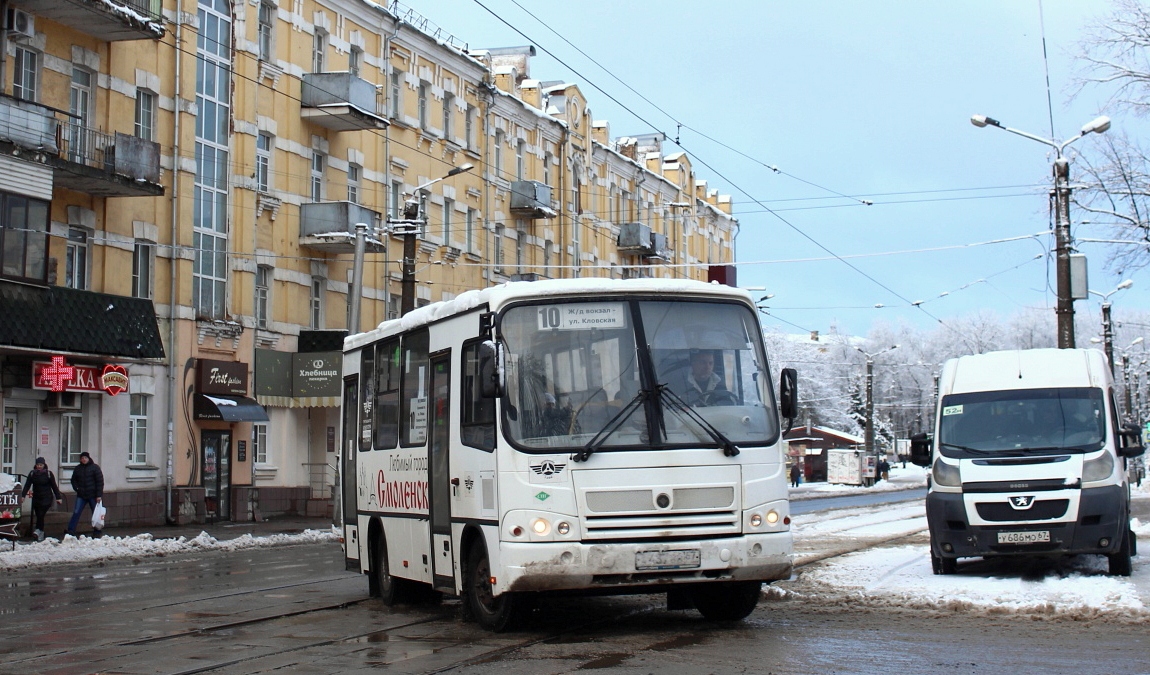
(1108, 336)
(1065, 307)
(869, 405)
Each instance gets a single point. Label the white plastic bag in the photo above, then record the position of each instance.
(98, 516)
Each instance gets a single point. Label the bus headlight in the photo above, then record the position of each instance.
(772, 517)
(541, 527)
(756, 520)
(1098, 468)
(946, 475)
(563, 528)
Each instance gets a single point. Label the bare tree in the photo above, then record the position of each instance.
(1115, 55)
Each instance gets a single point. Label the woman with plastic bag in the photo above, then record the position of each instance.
(88, 482)
(42, 483)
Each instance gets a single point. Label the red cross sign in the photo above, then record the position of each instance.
(57, 375)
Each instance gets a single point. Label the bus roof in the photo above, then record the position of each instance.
(495, 297)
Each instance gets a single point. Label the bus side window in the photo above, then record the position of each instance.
(367, 396)
(414, 395)
(386, 429)
(476, 413)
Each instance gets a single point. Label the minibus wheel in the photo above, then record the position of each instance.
(1120, 565)
(495, 614)
(940, 565)
(727, 601)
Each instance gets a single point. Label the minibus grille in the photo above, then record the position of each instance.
(1043, 509)
(635, 514)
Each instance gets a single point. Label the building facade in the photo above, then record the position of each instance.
(187, 180)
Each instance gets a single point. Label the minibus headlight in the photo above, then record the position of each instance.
(946, 475)
(1098, 468)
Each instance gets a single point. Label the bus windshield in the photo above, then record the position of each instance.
(635, 373)
(1024, 421)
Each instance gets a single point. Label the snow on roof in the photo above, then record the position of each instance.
(495, 297)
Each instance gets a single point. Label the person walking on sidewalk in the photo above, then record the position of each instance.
(42, 483)
(796, 474)
(88, 482)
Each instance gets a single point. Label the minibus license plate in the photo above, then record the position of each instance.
(668, 560)
(1023, 537)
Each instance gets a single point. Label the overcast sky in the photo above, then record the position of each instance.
(871, 100)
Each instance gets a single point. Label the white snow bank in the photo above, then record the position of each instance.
(85, 549)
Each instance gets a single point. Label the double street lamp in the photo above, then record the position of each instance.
(1061, 196)
(1107, 325)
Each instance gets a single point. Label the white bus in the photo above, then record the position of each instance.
(592, 436)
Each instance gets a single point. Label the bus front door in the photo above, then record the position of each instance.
(440, 486)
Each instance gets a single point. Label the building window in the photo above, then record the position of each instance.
(23, 238)
(142, 269)
(264, 146)
(354, 60)
(547, 159)
(547, 246)
(260, 443)
(71, 433)
(469, 127)
(76, 259)
(80, 105)
(520, 162)
(423, 95)
(448, 208)
(498, 257)
(145, 114)
(448, 116)
(353, 171)
(318, 51)
(138, 428)
(520, 246)
(210, 198)
(24, 75)
(316, 319)
(396, 93)
(396, 200)
(470, 235)
(317, 162)
(263, 291)
(267, 26)
(498, 154)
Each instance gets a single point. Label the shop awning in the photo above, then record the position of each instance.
(229, 408)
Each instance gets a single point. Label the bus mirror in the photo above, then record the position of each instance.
(920, 450)
(789, 393)
(490, 369)
(1130, 441)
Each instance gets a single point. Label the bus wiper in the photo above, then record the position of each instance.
(669, 397)
(971, 450)
(610, 427)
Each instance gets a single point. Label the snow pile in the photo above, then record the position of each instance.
(900, 479)
(86, 550)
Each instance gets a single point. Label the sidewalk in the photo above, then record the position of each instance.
(220, 530)
(910, 478)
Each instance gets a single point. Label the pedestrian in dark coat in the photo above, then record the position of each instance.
(796, 474)
(88, 482)
(42, 483)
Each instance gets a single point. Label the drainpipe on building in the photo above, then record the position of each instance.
(172, 305)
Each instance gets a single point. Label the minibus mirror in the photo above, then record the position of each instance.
(490, 369)
(1130, 441)
(789, 395)
(920, 449)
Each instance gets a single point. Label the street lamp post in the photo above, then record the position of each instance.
(1126, 375)
(1107, 325)
(1061, 196)
(414, 216)
(870, 449)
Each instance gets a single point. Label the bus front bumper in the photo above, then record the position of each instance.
(553, 566)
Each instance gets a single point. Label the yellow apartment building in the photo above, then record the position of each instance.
(186, 181)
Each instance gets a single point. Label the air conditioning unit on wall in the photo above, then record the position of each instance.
(63, 400)
(20, 23)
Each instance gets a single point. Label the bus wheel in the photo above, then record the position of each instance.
(727, 601)
(389, 588)
(1120, 565)
(492, 613)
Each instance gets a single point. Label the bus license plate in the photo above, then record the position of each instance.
(1024, 537)
(668, 560)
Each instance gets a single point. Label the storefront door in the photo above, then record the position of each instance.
(8, 444)
(217, 475)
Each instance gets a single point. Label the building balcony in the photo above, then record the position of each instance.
(81, 158)
(635, 239)
(531, 199)
(106, 20)
(330, 226)
(340, 102)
